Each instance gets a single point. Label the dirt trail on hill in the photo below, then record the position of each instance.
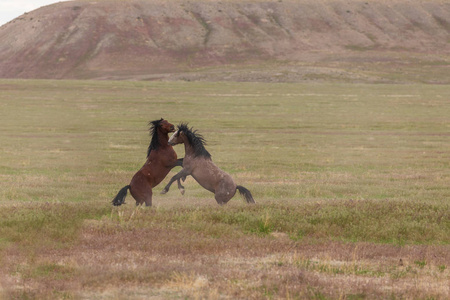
(201, 40)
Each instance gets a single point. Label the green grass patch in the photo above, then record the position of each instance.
(53, 225)
(377, 221)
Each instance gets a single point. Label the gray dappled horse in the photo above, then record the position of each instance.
(197, 162)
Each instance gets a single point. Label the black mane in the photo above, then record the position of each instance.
(154, 143)
(195, 139)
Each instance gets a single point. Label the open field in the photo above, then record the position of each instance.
(352, 184)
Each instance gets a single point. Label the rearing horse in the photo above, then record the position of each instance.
(198, 163)
(161, 158)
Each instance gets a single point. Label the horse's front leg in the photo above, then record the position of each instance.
(182, 174)
(179, 162)
(181, 187)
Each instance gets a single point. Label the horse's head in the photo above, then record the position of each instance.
(176, 138)
(165, 126)
(159, 130)
(187, 136)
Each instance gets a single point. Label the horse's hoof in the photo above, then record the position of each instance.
(164, 191)
(182, 191)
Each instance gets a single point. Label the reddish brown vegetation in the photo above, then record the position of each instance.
(119, 260)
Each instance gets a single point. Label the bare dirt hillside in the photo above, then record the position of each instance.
(283, 40)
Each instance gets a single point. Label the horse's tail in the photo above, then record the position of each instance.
(246, 193)
(120, 198)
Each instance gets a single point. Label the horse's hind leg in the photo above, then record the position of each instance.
(221, 198)
(224, 193)
(148, 198)
(142, 193)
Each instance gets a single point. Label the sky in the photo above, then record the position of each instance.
(11, 9)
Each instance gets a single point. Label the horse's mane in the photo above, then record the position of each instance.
(196, 140)
(154, 143)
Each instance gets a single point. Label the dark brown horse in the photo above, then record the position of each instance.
(161, 158)
(198, 163)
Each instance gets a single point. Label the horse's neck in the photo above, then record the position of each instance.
(163, 139)
(188, 149)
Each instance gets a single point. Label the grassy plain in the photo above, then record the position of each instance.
(352, 184)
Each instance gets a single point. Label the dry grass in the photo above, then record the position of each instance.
(351, 183)
(133, 254)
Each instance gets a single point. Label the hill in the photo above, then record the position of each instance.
(262, 40)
